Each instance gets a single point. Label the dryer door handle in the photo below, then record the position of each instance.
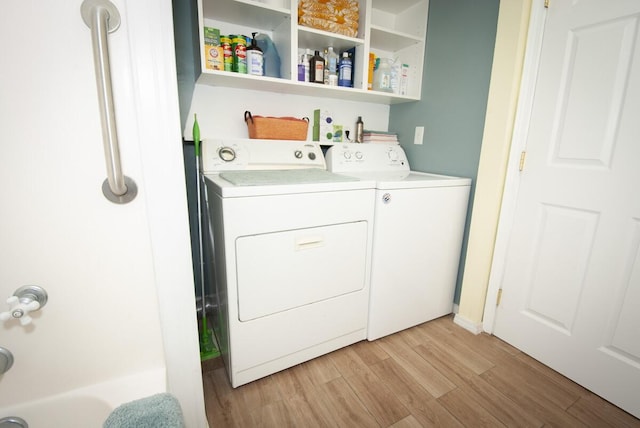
(309, 242)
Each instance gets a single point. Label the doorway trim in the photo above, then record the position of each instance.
(518, 145)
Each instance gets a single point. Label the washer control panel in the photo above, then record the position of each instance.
(353, 157)
(227, 154)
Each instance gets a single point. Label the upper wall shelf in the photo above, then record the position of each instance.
(248, 13)
(394, 30)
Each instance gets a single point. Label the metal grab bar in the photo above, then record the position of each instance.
(102, 17)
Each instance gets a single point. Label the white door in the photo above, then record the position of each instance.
(571, 284)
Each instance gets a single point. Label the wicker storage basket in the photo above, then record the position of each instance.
(276, 128)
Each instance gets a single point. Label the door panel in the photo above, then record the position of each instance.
(283, 270)
(562, 247)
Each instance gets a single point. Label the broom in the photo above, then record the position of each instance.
(208, 348)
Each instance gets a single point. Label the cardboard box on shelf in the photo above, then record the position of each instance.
(334, 16)
(212, 49)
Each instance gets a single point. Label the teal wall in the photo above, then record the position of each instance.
(185, 24)
(457, 68)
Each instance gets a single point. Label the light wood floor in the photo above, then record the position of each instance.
(433, 375)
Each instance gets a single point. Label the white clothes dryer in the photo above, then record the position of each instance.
(292, 254)
(418, 231)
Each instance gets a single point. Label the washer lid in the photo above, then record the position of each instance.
(410, 179)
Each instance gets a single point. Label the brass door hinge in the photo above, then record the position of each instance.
(499, 297)
(523, 155)
(546, 3)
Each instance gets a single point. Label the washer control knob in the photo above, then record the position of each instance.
(298, 154)
(347, 155)
(358, 155)
(227, 154)
(312, 156)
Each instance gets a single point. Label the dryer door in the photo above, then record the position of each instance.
(283, 270)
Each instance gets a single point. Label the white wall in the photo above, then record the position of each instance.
(221, 110)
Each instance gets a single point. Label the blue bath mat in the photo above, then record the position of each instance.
(156, 411)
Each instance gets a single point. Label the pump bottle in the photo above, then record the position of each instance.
(255, 59)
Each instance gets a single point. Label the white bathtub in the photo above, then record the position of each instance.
(88, 407)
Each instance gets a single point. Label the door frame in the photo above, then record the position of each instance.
(518, 144)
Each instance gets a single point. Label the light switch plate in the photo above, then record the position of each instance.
(417, 139)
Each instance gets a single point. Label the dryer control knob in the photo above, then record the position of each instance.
(347, 155)
(393, 155)
(358, 155)
(227, 154)
(298, 154)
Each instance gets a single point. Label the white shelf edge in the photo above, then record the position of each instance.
(248, 13)
(329, 35)
(271, 84)
(394, 33)
(259, 5)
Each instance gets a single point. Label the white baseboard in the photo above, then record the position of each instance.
(473, 327)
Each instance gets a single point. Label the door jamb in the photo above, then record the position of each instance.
(518, 144)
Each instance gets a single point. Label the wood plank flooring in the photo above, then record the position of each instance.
(433, 375)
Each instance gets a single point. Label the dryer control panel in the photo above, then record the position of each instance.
(226, 154)
(352, 157)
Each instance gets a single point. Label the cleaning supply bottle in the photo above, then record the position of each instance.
(332, 67)
(326, 66)
(306, 59)
(345, 69)
(359, 130)
(301, 69)
(316, 68)
(382, 75)
(271, 63)
(239, 49)
(255, 59)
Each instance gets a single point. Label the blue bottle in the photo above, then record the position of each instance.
(345, 69)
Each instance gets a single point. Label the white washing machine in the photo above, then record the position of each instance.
(292, 254)
(419, 225)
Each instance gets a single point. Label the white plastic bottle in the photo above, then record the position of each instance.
(382, 76)
(345, 69)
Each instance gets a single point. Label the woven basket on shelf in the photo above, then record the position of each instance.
(276, 128)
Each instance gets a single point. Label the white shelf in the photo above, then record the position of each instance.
(401, 36)
(308, 38)
(270, 84)
(391, 41)
(248, 13)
